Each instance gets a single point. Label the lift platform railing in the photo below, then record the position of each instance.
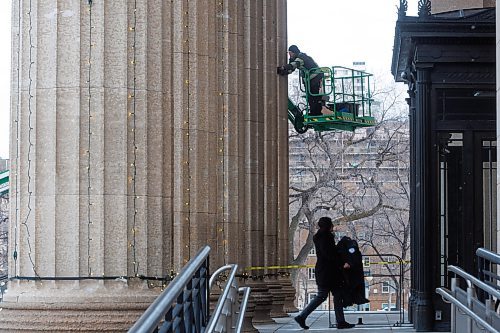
(4, 182)
(346, 98)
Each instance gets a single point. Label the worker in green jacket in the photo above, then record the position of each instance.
(303, 62)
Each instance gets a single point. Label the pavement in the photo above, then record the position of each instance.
(319, 321)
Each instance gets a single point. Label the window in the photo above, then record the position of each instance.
(311, 274)
(313, 251)
(366, 261)
(385, 307)
(386, 287)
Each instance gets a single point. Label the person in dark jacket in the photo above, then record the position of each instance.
(328, 273)
(303, 62)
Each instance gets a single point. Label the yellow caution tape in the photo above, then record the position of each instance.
(253, 268)
(389, 262)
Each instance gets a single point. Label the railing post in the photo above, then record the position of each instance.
(234, 305)
(488, 313)
(453, 308)
(470, 297)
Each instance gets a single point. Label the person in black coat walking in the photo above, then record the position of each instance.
(329, 277)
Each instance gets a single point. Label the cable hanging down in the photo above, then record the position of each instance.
(31, 128)
(16, 172)
(89, 144)
(132, 114)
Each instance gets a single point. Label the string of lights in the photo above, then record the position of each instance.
(246, 276)
(167, 278)
(16, 120)
(132, 115)
(222, 42)
(89, 143)
(30, 139)
(188, 153)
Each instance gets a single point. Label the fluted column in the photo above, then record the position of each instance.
(141, 131)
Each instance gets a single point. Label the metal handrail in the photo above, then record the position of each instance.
(243, 307)
(487, 260)
(400, 290)
(220, 270)
(475, 281)
(488, 255)
(220, 304)
(156, 312)
(445, 294)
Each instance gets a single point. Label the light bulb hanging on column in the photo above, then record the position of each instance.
(17, 119)
(187, 84)
(31, 128)
(223, 93)
(89, 142)
(132, 115)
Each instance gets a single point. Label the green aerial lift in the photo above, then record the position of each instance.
(4, 182)
(346, 97)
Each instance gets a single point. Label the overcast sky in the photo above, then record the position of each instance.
(4, 76)
(338, 32)
(333, 32)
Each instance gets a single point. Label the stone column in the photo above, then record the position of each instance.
(87, 120)
(257, 128)
(283, 178)
(142, 131)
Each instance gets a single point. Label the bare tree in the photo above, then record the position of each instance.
(359, 179)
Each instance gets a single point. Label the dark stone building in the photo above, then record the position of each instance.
(448, 63)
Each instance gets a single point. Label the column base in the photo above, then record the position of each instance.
(278, 298)
(411, 307)
(83, 306)
(289, 305)
(262, 299)
(247, 321)
(423, 320)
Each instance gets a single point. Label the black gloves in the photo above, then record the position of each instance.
(282, 71)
